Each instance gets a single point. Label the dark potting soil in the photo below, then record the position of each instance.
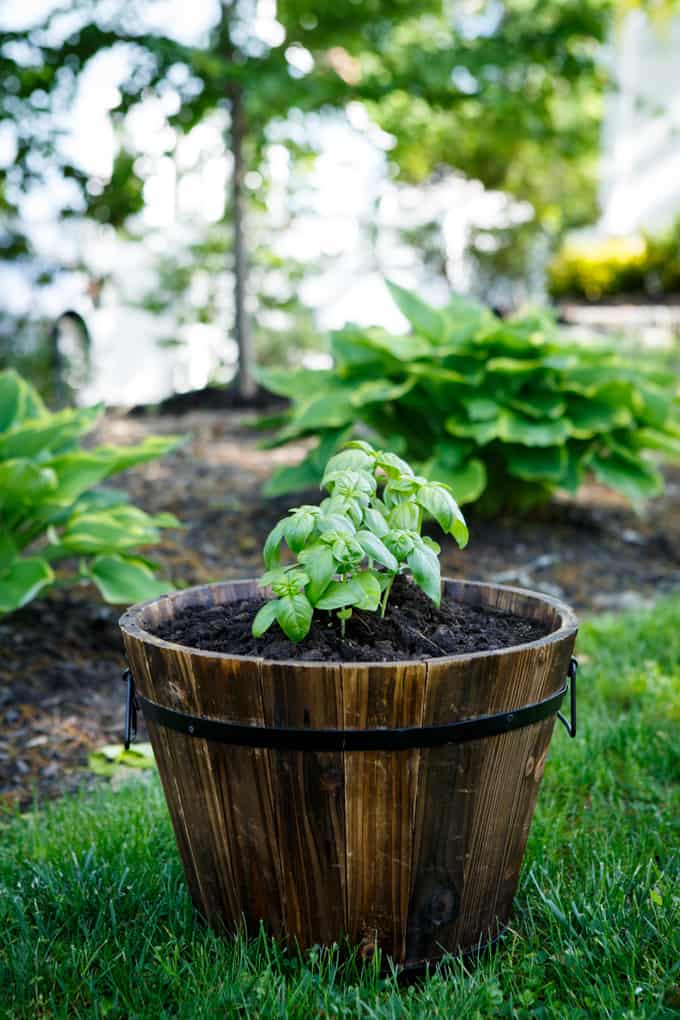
(413, 628)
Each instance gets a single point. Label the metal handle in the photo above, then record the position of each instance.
(570, 723)
(130, 709)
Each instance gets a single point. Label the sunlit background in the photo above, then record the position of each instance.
(335, 204)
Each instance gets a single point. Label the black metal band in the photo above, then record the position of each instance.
(222, 732)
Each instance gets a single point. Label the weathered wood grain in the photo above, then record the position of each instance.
(309, 801)
(417, 851)
(380, 804)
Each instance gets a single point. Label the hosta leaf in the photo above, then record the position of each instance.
(151, 448)
(627, 473)
(653, 439)
(297, 383)
(376, 550)
(536, 463)
(117, 529)
(328, 411)
(123, 580)
(24, 483)
(379, 391)
(481, 408)
(8, 549)
(309, 472)
(467, 482)
(539, 404)
(514, 366)
(340, 594)
(482, 432)
(320, 566)
(515, 429)
(587, 417)
(77, 472)
(19, 400)
(424, 567)
(265, 617)
(102, 498)
(367, 582)
(401, 348)
(22, 580)
(295, 616)
(652, 404)
(47, 433)
(425, 320)
(294, 478)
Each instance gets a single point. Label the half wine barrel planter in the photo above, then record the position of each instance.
(410, 837)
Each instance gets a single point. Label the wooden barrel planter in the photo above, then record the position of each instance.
(334, 800)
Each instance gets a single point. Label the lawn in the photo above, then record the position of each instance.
(96, 921)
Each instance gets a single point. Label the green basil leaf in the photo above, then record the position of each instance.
(376, 549)
(295, 616)
(375, 522)
(320, 565)
(265, 617)
(369, 584)
(393, 466)
(297, 530)
(400, 543)
(405, 516)
(352, 460)
(441, 505)
(424, 567)
(339, 594)
(272, 546)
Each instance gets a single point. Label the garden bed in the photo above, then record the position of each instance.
(61, 657)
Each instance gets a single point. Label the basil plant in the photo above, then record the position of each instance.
(58, 526)
(350, 548)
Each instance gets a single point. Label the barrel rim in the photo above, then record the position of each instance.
(130, 625)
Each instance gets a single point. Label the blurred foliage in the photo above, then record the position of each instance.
(647, 266)
(504, 411)
(53, 510)
(509, 94)
(189, 287)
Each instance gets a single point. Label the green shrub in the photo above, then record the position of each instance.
(350, 549)
(645, 266)
(505, 412)
(51, 507)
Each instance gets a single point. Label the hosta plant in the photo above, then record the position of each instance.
(53, 512)
(349, 549)
(504, 411)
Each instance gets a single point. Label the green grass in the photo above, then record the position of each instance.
(95, 920)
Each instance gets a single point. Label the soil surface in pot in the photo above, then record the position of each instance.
(413, 628)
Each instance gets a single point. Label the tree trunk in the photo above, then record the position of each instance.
(245, 378)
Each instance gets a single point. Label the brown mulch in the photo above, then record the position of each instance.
(61, 657)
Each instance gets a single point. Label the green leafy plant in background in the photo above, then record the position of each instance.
(52, 508)
(504, 411)
(351, 547)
